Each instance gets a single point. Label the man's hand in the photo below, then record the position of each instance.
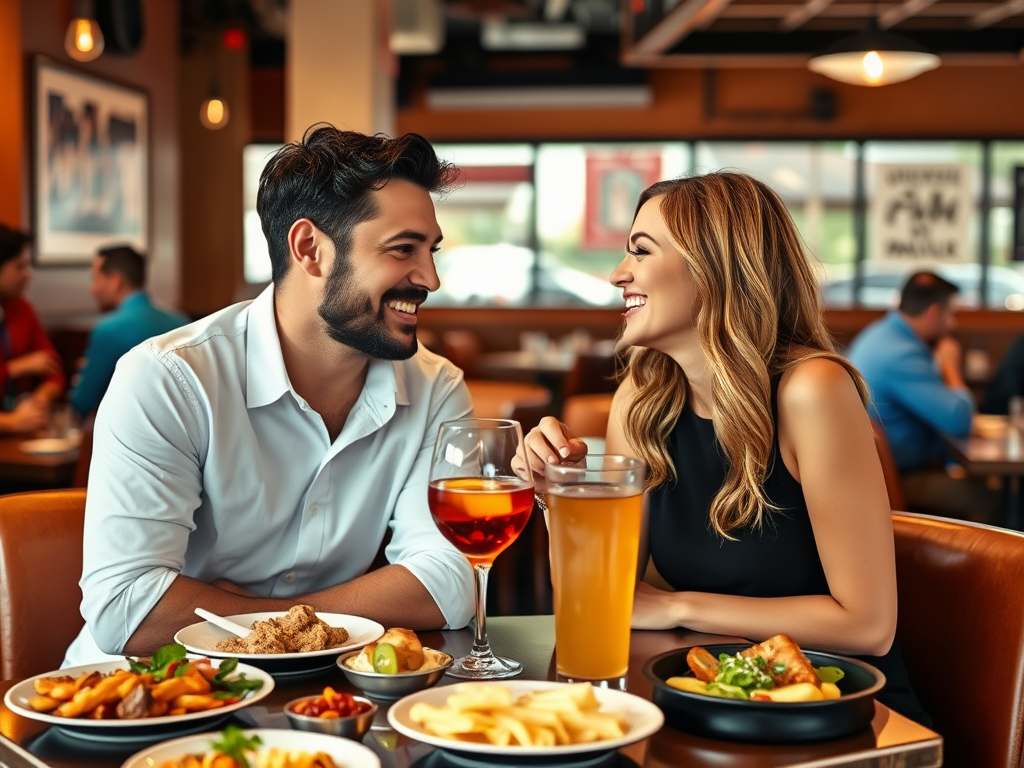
(39, 363)
(949, 356)
(28, 416)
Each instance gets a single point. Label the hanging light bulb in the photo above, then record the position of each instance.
(214, 114)
(84, 39)
(874, 57)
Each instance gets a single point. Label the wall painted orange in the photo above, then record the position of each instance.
(11, 127)
(951, 101)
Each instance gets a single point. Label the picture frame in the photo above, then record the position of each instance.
(90, 164)
(614, 181)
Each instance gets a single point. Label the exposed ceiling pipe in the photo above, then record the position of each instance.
(803, 14)
(901, 12)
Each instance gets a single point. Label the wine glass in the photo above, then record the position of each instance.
(480, 505)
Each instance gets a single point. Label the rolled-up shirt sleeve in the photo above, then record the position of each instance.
(416, 543)
(145, 483)
(923, 392)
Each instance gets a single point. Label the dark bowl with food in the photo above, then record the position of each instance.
(766, 722)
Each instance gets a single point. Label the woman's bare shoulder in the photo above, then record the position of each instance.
(817, 382)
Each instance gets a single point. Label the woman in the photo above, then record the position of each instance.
(766, 509)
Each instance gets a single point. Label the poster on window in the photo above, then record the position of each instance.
(614, 182)
(921, 213)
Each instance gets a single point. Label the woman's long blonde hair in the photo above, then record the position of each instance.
(759, 315)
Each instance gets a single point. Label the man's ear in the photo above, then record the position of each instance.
(307, 248)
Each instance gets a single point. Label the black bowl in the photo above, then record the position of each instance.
(766, 722)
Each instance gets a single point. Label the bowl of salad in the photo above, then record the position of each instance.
(768, 693)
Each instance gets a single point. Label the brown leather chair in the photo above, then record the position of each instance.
(889, 469)
(961, 625)
(462, 348)
(591, 373)
(40, 565)
(587, 415)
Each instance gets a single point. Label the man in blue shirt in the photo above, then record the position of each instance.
(913, 369)
(118, 279)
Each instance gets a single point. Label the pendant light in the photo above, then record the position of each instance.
(84, 39)
(214, 113)
(873, 57)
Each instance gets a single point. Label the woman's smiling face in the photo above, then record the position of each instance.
(659, 293)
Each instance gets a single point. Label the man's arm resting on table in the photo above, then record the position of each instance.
(391, 595)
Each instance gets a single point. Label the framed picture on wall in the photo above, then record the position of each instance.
(90, 164)
(614, 182)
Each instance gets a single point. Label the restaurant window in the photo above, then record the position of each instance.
(1006, 223)
(256, 257)
(817, 182)
(487, 256)
(586, 196)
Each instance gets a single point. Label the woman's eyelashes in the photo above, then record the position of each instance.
(639, 253)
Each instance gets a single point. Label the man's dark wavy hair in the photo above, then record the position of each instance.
(328, 177)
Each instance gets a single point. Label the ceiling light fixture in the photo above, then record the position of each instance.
(84, 39)
(874, 57)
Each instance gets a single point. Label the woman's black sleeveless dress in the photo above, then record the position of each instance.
(779, 561)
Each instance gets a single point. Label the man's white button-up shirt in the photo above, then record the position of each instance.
(205, 460)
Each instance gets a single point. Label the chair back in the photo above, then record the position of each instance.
(961, 626)
(587, 415)
(889, 469)
(592, 372)
(462, 348)
(40, 564)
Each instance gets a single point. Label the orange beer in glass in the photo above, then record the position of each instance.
(594, 516)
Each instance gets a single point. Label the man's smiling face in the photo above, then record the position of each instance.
(374, 291)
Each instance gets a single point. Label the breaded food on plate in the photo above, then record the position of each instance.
(782, 650)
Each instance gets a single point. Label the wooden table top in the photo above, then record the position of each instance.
(990, 449)
(891, 739)
(53, 469)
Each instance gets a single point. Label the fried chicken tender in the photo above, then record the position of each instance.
(298, 631)
(703, 664)
(782, 650)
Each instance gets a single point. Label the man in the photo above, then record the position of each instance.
(118, 279)
(31, 376)
(254, 459)
(913, 369)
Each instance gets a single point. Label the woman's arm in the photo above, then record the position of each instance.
(826, 443)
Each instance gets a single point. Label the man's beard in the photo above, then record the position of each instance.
(352, 321)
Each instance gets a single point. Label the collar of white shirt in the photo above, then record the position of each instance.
(266, 379)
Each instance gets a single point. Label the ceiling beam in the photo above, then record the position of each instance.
(687, 16)
(1000, 12)
(803, 14)
(900, 12)
(847, 10)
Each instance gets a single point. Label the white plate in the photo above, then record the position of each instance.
(146, 728)
(204, 636)
(641, 716)
(345, 752)
(50, 445)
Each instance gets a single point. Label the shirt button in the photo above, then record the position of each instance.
(290, 577)
(313, 509)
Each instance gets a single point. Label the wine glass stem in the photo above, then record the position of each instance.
(480, 645)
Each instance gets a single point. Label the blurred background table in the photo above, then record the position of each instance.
(21, 471)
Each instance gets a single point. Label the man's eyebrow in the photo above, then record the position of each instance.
(411, 234)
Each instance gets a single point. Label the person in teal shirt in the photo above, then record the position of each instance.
(118, 281)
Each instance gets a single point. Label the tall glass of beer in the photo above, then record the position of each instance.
(594, 514)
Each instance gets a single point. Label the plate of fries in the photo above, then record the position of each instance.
(88, 697)
(280, 748)
(526, 718)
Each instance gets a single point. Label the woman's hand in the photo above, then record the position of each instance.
(550, 442)
(655, 609)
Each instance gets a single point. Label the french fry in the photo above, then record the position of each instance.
(515, 727)
(173, 687)
(196, 702)
(43, 703)
(87, 680)
(44, 685)
(480, 698)
(105, 691)
(63, 691)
